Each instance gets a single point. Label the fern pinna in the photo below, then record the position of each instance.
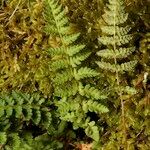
(76, 99)
(115, 58)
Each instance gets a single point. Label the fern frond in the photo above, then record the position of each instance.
(64, 107)
(116, 37)
(115, 7)
(94, 106)
(63, 77)
(59, 64)
(73, 112)
(3, 138)
(59, 21)
(118, 40)
(74, 49)
(119, 30)
(115, 58)
(84, 72)
(68, 72)
(69, 39)
(67, 90)
(26, 107)
(10, 140)
(56, 51)
(118, 53)
(91, 92)
(128, 66)
(50, 19)
(77, 59)
(92, 131)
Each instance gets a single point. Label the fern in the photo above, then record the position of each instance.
(10, 140)
(91, 92)
(3, 138)
(117, 40)
(25, 107)
(20, 112)
(116, 35)
(115, 58)
(76, 111)
(69, 73)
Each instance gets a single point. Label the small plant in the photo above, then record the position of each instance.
(76, 99)
(115, 58)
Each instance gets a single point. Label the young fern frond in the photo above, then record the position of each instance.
(68, 73)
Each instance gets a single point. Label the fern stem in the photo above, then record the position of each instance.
(118, 83)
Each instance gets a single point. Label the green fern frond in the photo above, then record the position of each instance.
(56, 51)
(118, 40)
(73, 112)
(91, 92)
(63, 77)
(119, 30)
(115, 59)
(64, 107)
(3, 138)
(77, 59)
(118, 53)
(55, 15)
(84, 72)
(10, 141)
(115, 7)
(67, 90)
(68, 73)
(26, 107)
(94, 106)
(128, 66)
(92, 131)
(59, 64)
(69, 39)
(74, 49)
(116, 37)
